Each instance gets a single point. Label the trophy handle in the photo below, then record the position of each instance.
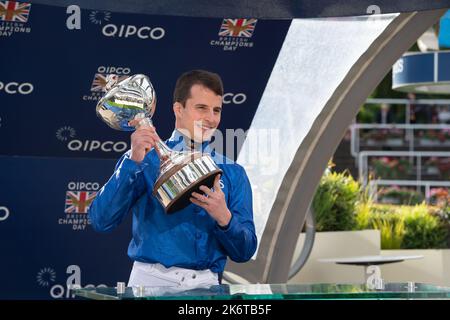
(161, 148)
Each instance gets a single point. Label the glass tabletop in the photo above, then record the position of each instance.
(409, 290)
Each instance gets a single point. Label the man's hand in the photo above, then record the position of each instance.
(213, 202)
(142, 141)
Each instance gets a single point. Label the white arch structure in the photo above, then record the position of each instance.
(325, 71)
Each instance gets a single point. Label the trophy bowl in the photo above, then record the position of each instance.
(181, 172)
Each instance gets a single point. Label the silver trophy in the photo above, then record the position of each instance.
(181, 173)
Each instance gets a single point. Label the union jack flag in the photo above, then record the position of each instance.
(100, 81)
(79, 201)
(237, 27)
(14, 11)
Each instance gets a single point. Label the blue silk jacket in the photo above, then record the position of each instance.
(189, 238)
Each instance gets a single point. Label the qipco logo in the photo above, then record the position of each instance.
(125, 31)
(4, 213)
(238, 98)
(113, 70)
(16, 88)
(88, 186)
(95, 145)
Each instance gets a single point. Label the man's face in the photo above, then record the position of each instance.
(201, 114)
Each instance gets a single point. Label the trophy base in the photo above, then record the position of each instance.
(183, 200)
(174, 188)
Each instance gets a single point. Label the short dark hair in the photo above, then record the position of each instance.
(185, 82)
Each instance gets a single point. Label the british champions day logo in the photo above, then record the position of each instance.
(98, 85)
(79, 197)
(235, 33)
(13, 18)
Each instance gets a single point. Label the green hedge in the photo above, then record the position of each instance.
(334, 203)
(424, 230)
(341, 205)
(407, 227)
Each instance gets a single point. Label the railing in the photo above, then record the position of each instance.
(407, 126)
(363, 164)
(408, 139)
(408, 134)
(373, 186)
(408, 103)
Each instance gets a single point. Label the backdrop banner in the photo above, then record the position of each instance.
(55, 154)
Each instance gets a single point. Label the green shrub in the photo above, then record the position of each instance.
(423, 229)
(368, 113)
(335, 201)
(405, 227)
(340, 204)
(363, 215)
(392, 230)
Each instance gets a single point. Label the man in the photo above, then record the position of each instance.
(189, 247)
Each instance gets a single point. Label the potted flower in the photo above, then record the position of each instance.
(431, 166)
(395, 137)
(375, 137)
(444, 136)
(439, 197)
(397, 195)
(444, 168)
(391, 168)
(432, 137)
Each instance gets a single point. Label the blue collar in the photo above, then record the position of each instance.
(187, 144)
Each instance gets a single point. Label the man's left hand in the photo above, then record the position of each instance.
(213, 202)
